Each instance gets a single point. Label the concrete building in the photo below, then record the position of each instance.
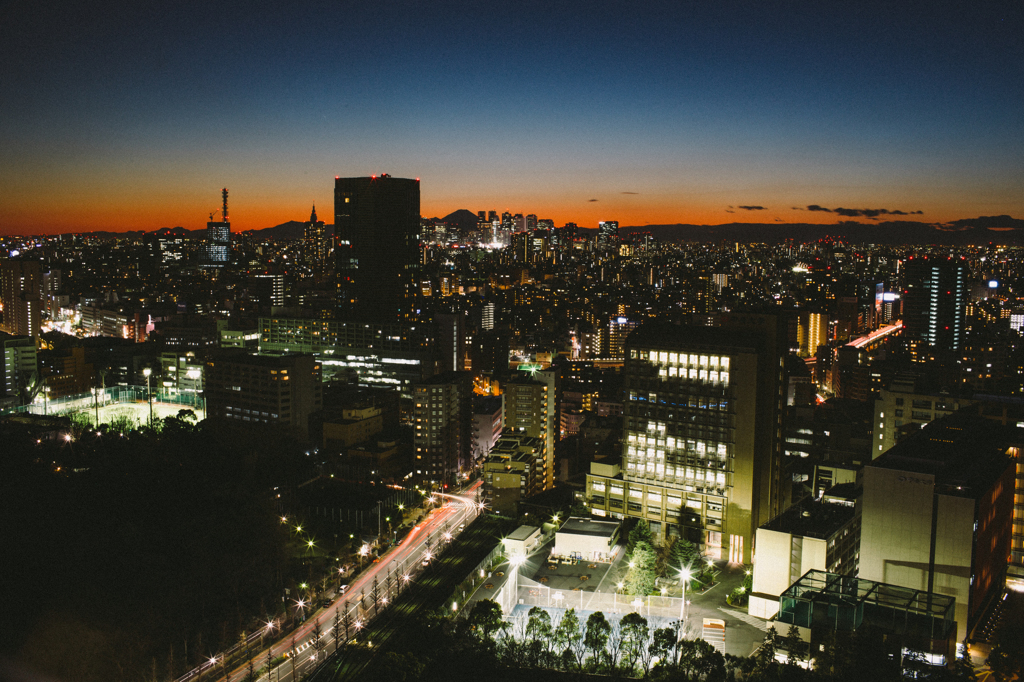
(488, 419)
(522, 541)
(353, 425)
(217, 249)
(284, 390)
(181, 372)
(531, 409)
(21, 293)
(935, 296)
(937, 512)
(66, 373)
(316, 245)
(442, 407)
(905, 407)
(586, 539)
(702, 430)
(810, 535)
(20, 362)
(514, 470)
(100, 322)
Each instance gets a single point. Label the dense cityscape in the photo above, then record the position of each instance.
(290, 453)
(405, 341)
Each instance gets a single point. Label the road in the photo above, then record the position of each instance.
(392, 573)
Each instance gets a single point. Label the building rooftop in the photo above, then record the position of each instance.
(846, 603)
(964, 451)
(719, 340)
(812, 519)
(523, 533)
(580, 526)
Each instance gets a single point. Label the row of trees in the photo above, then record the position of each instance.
(629, 647)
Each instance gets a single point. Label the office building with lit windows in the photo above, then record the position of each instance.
(384, 355)
(283, 390)
(702, 433)
(935, 296)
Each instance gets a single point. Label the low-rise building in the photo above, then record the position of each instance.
(810, 535)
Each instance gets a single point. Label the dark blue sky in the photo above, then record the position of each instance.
(133, 115)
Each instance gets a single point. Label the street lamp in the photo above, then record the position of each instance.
(96, 404)
(149, 396)
(684, 575)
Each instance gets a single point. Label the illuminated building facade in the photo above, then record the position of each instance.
(701, 446)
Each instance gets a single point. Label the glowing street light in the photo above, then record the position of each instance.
(685, 575)
(149, 395)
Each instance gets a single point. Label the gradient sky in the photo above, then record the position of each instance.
(133, 115)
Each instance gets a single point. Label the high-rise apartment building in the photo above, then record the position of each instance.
(702, 433)
(376, 246)
(935, 296)
(811, 332)
(21, 293)
(443, 436)
(217, 250)
(531, 409)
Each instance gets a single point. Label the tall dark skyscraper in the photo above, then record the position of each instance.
(315, 244)
(217, 250)
(376, 245)
(935, 295)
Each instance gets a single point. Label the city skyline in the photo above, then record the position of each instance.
(127, 118)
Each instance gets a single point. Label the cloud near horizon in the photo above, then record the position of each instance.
(871, 213)
(752, 208)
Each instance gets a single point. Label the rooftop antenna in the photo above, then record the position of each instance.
(224, 210)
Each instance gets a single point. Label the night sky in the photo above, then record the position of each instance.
(134, 115)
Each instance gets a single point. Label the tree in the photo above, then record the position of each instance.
(641, 576)
(641, 533)
(539, 632)
(683, 553)
(318, 639)
(634, 638)
(336, 628)
(662, 644)
(765, 656)
(486, 618)
(346, 621)
(796, 647)
(596, 638)
(569, 638)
